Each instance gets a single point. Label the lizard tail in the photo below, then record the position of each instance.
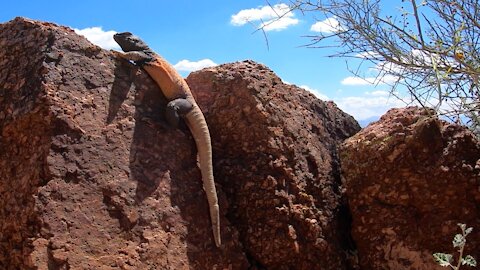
(198, 126)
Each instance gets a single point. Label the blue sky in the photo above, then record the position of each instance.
(194, 34)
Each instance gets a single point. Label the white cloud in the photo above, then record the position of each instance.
(355, 81)
(97, 36)
(368, 55)
(316, 92)
(364, 107)
(329, 25)
(279, 24)
(277, 17)
(254, 14)
(422, 57)
(389, 79)
(387, 67)
(378, 93)
(187, 65)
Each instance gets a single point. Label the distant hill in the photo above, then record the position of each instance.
(363, 123)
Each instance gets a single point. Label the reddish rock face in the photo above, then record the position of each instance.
(410, 179)
(90, 177)
(275, 155)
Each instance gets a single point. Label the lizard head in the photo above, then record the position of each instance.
(129, 42)
(136, 50)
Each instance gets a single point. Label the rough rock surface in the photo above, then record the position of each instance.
(90, 177)
(275, 156)
(410, 179)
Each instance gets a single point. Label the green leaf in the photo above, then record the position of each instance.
(459, 240)
(443, 259)
(462, 226)
(468, 230)
(469, 260)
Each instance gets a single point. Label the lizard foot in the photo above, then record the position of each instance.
(176, 108)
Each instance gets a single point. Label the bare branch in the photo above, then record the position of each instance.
(417, 19)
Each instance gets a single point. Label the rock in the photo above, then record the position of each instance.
(410, 178)
(90, 175)
(275, 156)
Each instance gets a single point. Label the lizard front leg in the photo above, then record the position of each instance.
(138, 57)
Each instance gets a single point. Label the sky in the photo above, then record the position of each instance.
(196, 34)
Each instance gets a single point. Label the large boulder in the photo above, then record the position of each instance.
(410, 178)
(90, 177)
(275, 148)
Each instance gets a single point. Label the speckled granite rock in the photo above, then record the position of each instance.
(410, 179)
(275, 148)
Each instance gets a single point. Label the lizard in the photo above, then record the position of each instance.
(181, 104)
